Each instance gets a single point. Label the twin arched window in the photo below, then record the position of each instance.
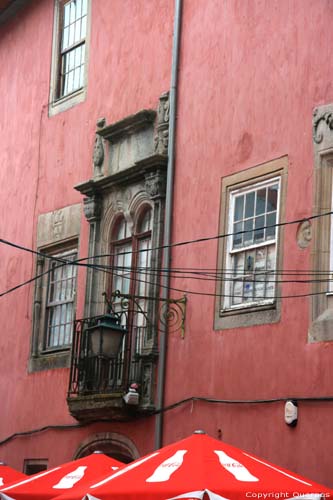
(131, 251)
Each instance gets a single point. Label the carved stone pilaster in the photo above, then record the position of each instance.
(321, 118)
(98, 155)
(155, 184)
(92, 208)
(162, 127)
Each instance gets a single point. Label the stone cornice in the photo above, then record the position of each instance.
(134, 173)
(128, 126)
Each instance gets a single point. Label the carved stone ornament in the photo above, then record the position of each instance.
(57, 223)
(304, 234)
(162, 127)
(98, 155)
(327, 118)
(155, 184)
(92, 208)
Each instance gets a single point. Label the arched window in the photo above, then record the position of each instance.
(122, 247)
(131, 276)
(131, 255)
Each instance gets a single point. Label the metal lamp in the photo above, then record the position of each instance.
(106, 336)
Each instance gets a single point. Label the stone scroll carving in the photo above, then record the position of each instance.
(162, 127)
(92, 208)
(98, 155)
(321, 118)
(155, 184)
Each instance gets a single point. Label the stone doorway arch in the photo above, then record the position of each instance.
(110, 443)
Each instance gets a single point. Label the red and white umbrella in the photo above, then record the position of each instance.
(54, 482)
(9, 475)
(200, 466)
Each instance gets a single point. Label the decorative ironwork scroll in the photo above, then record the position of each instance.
(171, 312)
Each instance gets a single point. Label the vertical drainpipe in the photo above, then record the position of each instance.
(168, 220)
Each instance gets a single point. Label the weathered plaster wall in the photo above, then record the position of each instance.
(41, 159)
(251, 74)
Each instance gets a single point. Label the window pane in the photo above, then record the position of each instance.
(71, 34)
(272, 198)
(239, 263)
(248, 235)
(84, 7)
(249, 261)
(145, 224)
(271, 221)
(259, 287)
(249, 204)
(238, 238)
(76, 81)
(261, 201)
(83, 51)
(248, 290)
(77, 36)
(239, 207)
(70, 82)
(72, 11)
(65, 38)
(237, 292)
(78, 9)
(66, 14)
(259, 231)
(260, 259)
(83, 27)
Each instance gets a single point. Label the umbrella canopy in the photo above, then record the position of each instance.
(200, 466)
(53, 482)
(9, 475)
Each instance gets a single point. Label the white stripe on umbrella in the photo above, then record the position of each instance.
(123, 470)
(238, 470)
(199, 495)
(164, 471)
(33, 478)
(278, 470)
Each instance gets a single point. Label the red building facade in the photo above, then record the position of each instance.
(180, 154)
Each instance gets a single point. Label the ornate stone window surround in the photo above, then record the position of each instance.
(57, 232)
(129, 174)
(267, 311)
(321, 316)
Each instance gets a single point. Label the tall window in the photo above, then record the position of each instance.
(60, 302)
(69, 54)
(251, 252)
(73, 30)
(132, 255)
(131, 263)
(252, 205)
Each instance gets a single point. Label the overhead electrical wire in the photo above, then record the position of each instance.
(179, 243)
(108, 268)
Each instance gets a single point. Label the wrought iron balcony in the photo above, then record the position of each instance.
(99, 379)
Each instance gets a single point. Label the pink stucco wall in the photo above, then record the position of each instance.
(251, 73)
(41, 160)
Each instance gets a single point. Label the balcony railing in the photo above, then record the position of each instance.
(100, 374)
(98, 382)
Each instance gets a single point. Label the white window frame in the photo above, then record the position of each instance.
(227, 305)
(55, 304)
(58, 103)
